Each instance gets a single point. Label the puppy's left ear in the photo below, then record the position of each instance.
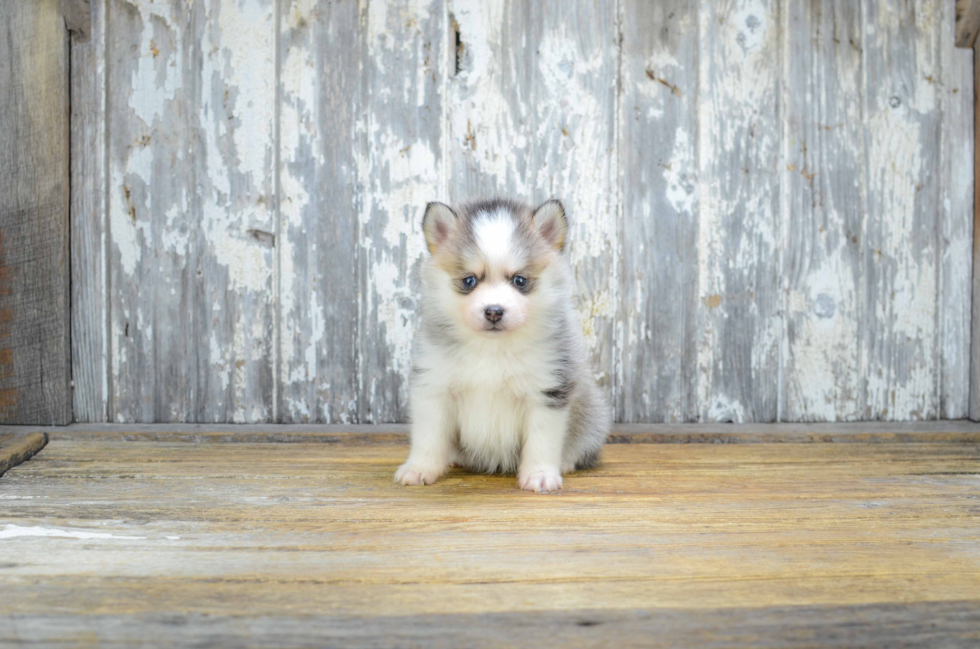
(438, 223)
(550, 220)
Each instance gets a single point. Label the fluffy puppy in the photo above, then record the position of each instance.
(501, 380)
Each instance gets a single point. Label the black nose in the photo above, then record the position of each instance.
(493, 313)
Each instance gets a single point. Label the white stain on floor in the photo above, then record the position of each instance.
(16, 531)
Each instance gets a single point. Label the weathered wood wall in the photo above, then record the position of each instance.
(771, 200)
(34, 157)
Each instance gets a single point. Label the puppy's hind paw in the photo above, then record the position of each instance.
(412, 475)
(541, 481)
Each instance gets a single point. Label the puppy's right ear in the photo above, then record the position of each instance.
(439, 222)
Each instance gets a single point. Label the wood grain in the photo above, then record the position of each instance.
(975, 318)
(824, 214)
(15, 449)
(89, 290)
(955, 249)
(960, 432)
(949, 624)
(758, 233)
(35, 370)
(901, 236)
(658, 284)
(739, 148)
(402, 158)
(785, 539)
(317, 247)
(191, 215)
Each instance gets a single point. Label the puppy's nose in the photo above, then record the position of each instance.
(493, 313)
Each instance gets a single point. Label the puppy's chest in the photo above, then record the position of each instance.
(491, 403)
(491, 428)
(516, 374)
(492, 400)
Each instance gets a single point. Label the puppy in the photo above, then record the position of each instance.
(501, 380)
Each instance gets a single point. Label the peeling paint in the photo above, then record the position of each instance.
(902, 265)
(807, 217)
(738, 200)
(402, 168)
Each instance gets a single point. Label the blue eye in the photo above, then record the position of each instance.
(520, 281)
(469, 281)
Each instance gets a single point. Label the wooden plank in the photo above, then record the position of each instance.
(296, 539)
(956, 222)
(405, 66)
(901, 237)
(868, 625)
(15, 449)
(318, 249)
(658, 282)
(131, 292)
(935, 431)
(89, 290)
(532, 115)
(967, 22)
(975, 317)
(823, 213)
(35, 369)
(191, 216)
(739, 149)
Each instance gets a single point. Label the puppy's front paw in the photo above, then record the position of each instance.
(410, 474)
(541, 480)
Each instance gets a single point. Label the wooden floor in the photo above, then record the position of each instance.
(153, 543)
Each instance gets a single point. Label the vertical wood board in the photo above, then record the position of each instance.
(317, 242)
(956, 235)
(35, 352)
(657, 319)
(823, 213)
(975, 329)
(739, 160)
(89, 306)
(402, 161)
(901, 264)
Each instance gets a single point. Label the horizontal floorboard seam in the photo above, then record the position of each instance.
(957, 431)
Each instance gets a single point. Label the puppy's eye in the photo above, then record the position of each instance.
(469, 281)
(520, 281)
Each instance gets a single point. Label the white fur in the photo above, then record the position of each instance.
(486, 393)
(502, 294)
(493, 234)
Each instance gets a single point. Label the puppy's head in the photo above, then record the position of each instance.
(492, 268)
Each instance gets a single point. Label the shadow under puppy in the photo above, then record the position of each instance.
(501, 380)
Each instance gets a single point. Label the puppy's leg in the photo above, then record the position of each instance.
(541, 453)
(433, 427)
